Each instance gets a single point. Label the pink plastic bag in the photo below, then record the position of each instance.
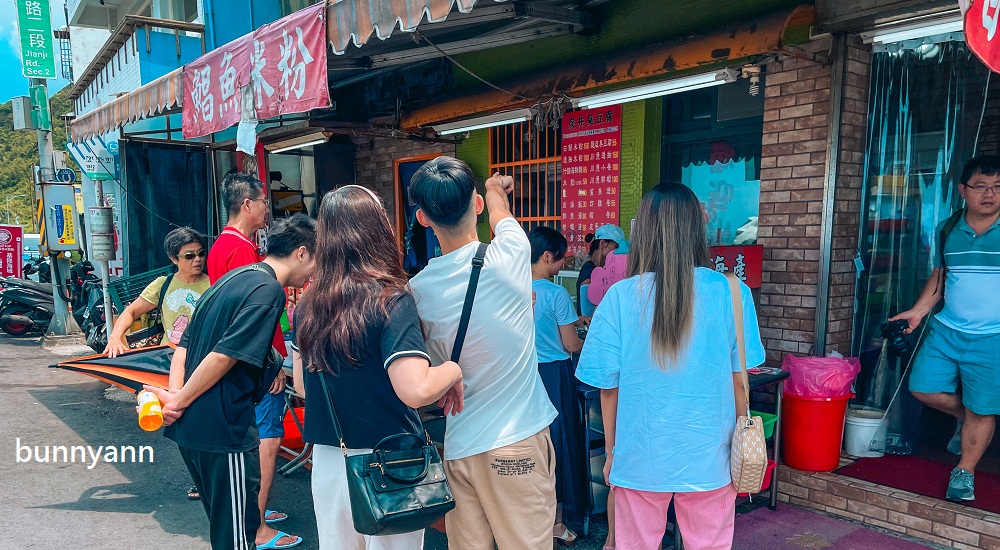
(820, 376)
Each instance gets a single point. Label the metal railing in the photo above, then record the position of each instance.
(125, 30)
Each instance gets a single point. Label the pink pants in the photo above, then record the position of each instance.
(705, 518)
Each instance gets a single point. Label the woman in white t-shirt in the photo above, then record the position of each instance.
(662, 348)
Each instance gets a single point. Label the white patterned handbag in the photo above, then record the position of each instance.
(748, 455)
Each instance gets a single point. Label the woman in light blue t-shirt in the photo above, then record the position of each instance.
(555, 342)
(662, 348)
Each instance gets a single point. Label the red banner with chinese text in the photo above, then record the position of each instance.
(591, 171)
(11, 249)
(747, 262)
(284, 61)
(212, 85)
(981, 21)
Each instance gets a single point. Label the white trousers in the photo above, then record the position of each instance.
(332, 504)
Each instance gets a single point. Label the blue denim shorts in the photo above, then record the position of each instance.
(950, 357)
(270, 411)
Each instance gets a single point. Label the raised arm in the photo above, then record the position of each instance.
(497, 188)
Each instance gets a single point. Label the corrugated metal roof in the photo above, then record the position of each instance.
(358, 20)
(157, 97)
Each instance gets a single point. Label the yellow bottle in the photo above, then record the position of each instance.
(150, 414)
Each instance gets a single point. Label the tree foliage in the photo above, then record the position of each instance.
(19, 153)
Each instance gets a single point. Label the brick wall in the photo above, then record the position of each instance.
(374, 163)
(949, 525)
(793, 160)
(793, 167)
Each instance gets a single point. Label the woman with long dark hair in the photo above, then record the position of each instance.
(357, 327)
(662, 348)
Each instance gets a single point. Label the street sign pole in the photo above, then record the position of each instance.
(102, 241)
(60, 324)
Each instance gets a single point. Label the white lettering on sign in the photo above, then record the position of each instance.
(227, 84)
(33, 9)
(201, 94)
(990, 19)
(258, 62)
(36, 40)
(292, 67)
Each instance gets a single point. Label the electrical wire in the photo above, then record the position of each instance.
(128, 196)
(423, 37)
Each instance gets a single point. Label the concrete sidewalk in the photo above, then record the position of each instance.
(88, 504)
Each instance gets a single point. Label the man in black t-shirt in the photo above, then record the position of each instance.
(221, 355)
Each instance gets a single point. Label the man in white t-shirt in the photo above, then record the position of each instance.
(498, 453)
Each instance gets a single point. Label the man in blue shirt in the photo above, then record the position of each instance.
(963, 343)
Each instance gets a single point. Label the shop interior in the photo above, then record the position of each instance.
(933, 107)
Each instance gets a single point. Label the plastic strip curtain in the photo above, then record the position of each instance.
(926, 113)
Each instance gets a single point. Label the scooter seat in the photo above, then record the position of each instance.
(28, 284)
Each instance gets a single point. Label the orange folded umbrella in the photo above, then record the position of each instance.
(129, 370)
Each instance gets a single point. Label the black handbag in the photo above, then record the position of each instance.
(400, 491)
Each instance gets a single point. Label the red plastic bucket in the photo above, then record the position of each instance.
(812, 429)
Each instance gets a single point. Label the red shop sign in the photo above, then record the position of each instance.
(981, 32)
(11, 248)
(591, 172)
(284, 61)
(747, 262)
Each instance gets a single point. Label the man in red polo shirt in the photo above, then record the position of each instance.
(245, 200)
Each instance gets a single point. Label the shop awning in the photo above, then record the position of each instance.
(348, 20)
(158, 97)
(360, 19)
(740, 41)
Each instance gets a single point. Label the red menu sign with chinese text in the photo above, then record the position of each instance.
(981, 31)
(747, 262)
(11, 248)
(591, 160)
(284, 61)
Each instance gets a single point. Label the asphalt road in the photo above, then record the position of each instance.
(109, 506)
(103, 505)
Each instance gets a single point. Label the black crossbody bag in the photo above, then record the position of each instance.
(273, 361)
(401, 491)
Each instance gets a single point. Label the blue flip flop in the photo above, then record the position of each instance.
(276, 520)
(273, 543)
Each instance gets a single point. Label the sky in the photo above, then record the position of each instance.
(12, 83)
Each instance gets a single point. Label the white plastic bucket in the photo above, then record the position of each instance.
(862, 427)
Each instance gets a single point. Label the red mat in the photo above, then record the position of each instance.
(922, 476)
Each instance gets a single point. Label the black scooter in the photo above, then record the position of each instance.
(25, 307)
(40, 266)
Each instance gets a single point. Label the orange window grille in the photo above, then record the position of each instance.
(534, 159)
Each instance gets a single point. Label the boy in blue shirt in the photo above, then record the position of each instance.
(555, 340)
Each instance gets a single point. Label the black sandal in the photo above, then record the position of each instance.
(193, 493)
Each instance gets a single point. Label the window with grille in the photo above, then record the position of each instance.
(534, 159)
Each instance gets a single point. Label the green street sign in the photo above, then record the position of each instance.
(38, 59)
(40, 108)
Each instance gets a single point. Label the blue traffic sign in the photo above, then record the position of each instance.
(66, 175)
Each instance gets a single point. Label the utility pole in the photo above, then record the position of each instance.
(102, 242)
(60, 324)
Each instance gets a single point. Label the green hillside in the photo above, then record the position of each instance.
(18, 153)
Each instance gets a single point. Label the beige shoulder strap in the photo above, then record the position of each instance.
(734, 291)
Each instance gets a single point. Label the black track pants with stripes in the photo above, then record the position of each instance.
(229, 485)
